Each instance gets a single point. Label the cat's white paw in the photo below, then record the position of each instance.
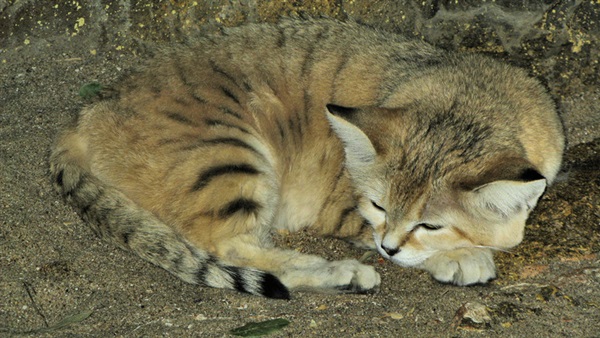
(352, 276)
(463, 266)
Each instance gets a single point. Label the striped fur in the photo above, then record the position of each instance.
(116, 217)
(430, 157)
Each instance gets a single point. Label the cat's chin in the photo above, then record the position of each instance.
(402, 258)
(409, 262)
(405, 259)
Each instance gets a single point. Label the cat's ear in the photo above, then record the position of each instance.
(359, 149)
(508, 197)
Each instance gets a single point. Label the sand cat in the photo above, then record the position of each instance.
(432, 158)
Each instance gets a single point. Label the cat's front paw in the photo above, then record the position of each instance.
(465, 266)
(353, 276)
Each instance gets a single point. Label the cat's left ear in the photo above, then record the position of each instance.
(506, 198)
(357, 145)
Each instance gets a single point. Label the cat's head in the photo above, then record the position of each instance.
(435, 183)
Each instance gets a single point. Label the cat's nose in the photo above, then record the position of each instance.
(390, 251)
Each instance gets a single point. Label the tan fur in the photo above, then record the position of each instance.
(235, 135)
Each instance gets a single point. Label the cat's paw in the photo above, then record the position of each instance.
(465, 266)
(353, 276)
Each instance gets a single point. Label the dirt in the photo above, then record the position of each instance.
(57, 279)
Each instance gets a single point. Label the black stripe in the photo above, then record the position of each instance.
(236, 143)
(202, 273)
(307, 104)
(181, 101)
(177, 117)
(230, 94)
(86, 209)
(300, 119)
(177, 258)
(199, 98)
(238, 281)
(230, 141)
(295, 124)
(247, 86)
(281, 39)
(336, 74)
(220, 70)
(271, 287)
(365, 225)
(343, 216)
(230, 112)
(97, 217)
(281, 129)
(102, 215)
(217, 123)
(182, 74)
(59, 178)
(157, 248)
(168, 141)
(207, 175)
(73, 188)
(126, 235)
(308, 57)
(244, 205)
(293, 130)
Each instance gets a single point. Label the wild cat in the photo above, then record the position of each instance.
(433, 158)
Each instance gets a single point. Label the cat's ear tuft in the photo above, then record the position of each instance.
(357, 145)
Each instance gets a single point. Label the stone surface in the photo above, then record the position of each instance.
(53, 267)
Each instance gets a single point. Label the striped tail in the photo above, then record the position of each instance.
(115, 217)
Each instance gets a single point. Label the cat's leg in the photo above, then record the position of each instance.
(300, 271)
(464, 266)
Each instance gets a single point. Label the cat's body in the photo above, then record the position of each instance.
(213, 145)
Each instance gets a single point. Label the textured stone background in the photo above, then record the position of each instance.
(53, 267)
(558, 41)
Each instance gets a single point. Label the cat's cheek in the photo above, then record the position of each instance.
(510, 234)
(441, 240)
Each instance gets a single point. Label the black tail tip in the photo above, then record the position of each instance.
(273, 288)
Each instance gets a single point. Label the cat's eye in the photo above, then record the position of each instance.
(377, 206)
(428, 226)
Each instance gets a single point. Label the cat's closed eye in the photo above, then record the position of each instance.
(428, 226)
(377, 206)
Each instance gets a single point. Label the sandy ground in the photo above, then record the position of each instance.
(58, 279)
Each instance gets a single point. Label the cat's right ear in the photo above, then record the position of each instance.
(357, 145)
(507, 189)
(506, 198)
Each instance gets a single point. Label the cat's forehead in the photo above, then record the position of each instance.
(407, 203)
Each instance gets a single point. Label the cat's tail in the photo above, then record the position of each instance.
(117, 218)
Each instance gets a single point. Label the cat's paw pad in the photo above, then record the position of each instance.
(462, 266)
(354, 277)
